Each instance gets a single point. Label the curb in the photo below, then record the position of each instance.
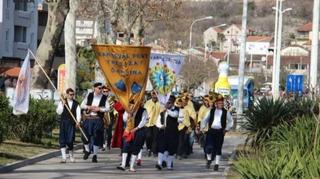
(38, 158)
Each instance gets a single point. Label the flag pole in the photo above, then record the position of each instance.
(35, 58)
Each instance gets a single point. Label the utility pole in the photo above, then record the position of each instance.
(314, 48)
(242, 58)
(278, 54)
(275, 48)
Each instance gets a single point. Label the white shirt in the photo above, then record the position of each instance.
(95, 102)
(216, 124)
(143, 121)
(173, 113)
(181, 116)
(70, 103)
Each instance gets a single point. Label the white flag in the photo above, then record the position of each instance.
(22, 93)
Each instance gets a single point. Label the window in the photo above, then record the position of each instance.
(7, 35)
(20, 33)
(21, 5)
(8, 3)
(293, 66)
(303, 66)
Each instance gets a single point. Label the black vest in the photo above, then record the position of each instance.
(101, 104)
(138, 117)
(223, 118)
(172, 122)
(66, 115)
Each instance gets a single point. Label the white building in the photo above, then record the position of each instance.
(85, 31)
(258, 45)
(18, 29)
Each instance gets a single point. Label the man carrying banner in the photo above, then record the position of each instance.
(67, 124)
(108, 119)
(220, 121)
(153, 108)
(95, 105)
(167, 138)
(134, 135)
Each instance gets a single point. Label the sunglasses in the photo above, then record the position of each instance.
(104, 91)
(71, 94)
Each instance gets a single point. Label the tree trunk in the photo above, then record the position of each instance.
(57, 12)
(139, 33)
(70, 46)
(127, 30)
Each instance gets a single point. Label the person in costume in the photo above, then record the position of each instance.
(153, 109)
(168, 135)
(184, 124)
(119, 127)
(134, 135)
(94, 105)
(67, 124)
(193, 121)
(108, 119)
(219, 121)
(204, 109)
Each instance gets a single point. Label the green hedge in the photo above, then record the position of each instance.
(5, 111)
(288, 153)
(39, 122)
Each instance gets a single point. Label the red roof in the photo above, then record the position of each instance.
(306, 27)
(286, 60)
(217, 29)
(259, 39)
(13, 72)
(219, 55)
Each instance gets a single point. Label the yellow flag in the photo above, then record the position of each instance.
(126, 71)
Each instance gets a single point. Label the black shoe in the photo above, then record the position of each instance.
(216, 167)
(164, 164)
(103, 149)
(121, 168)
(94, 159)
(208, 164)
(158, 167)
(86, 155)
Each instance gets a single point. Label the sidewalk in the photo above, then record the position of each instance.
(193, 167)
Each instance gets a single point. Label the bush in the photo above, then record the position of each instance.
(289, 153)
(260, 119)
(268, 113)
(5, 111)
(37, 123)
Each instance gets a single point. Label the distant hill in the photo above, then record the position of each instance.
(261, 18)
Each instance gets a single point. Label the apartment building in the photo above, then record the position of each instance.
(18, 30)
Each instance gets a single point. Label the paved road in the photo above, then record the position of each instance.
(193, 167)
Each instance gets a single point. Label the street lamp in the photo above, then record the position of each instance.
(277, 48)
(190, 39)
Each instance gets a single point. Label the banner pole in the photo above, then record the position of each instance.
(35, 58)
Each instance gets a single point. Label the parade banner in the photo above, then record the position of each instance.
(61, 78)
(163, 72)
(126, 71)
(22, 92)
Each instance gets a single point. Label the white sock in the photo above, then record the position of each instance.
(133, 159)
(160, 158)
(124, 159)
(63, 153)
(218, 159)
(70, 153)
(86, 146)
(170, 159)
(140, 155)
(95, 150)
(209, 157)
(165, 156)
